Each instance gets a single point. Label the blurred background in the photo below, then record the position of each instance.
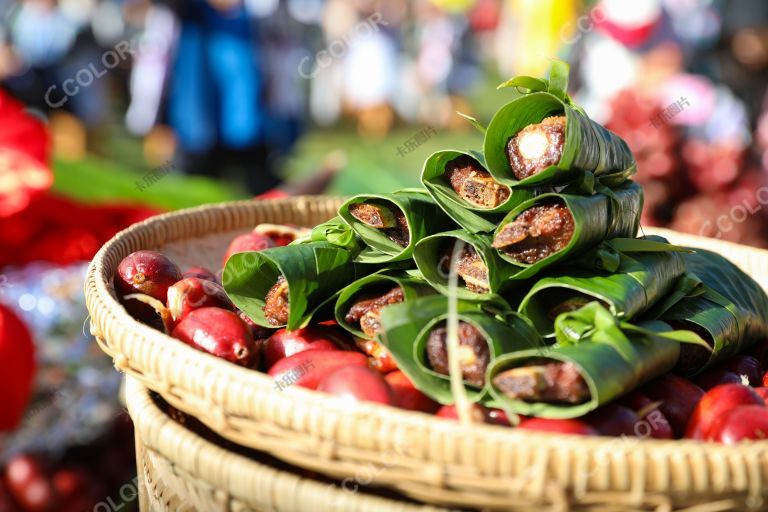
(111, 111)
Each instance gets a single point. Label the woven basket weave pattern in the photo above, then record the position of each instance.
(432, 460)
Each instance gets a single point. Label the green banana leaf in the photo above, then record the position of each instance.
(412, 289)
(731, 308)
(406, 327)
(589, 150)
(315, 272)
(646, 273)
(334, 231)
(613, 357)
(424, 218)
(428, 254)
(598, 217)
(472, 218)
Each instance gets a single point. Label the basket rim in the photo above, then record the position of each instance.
(234, 394)
(158, 432)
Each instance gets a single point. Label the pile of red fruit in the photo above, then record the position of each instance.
(725, 403)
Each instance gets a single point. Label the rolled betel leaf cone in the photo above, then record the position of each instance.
(459, 182)
(556, 226)
(285, 286)
(359, 305)
(391, 224)
(480, 269)
(729, 312)
(415, 335)
(543, 138)
(597, 359)
(648, 269)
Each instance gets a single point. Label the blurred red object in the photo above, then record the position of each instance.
(24, 147)
(17, 366)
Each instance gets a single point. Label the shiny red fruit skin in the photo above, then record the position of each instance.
(357, 383)
(560, 426)
(246, 243)
(615, 420)
(657, 425)
(18, 367)
(147, 272)
(716, 403)
(221, 333)
(308, 368)
(28, 484)
(407, 396)
(763, 392)
(745, 422)
(284, 343)
(745, 365)
(193, 293)
(6, 502)
(678, 397)
(708, 379)
(200, 273)
(480, 414)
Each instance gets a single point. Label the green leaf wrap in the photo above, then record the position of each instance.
(732, 309)
(596, 218)
(406, 327)
(315, 272)
(423, 215)
(413, 288)
(472, 218)
(641, 279)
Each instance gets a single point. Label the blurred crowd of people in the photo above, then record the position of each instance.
(217, 83)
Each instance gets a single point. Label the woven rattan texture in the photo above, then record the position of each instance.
(431, 460)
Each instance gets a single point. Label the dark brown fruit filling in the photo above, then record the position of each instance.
(470, 268)
(277, 303)
(367, 311)
(474, 184)
(536, 233)
(544, 381)
(391, 220)
(474, 354)
(536, 147)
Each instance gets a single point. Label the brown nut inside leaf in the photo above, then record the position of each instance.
(474, 353)
(544, 381)
(474, 184)
(536, 147)
(537, 233)
(277, 303)
(388, 218)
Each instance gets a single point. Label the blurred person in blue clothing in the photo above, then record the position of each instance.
(215, 93)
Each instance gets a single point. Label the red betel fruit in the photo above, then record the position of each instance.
(678, 398)
(246, 243)
(17, 366)
(147, 272)
(407, 396)
(716, 403)
(219, 332)
(745, 422)
(200, 273)
(616, 420)
(194, 293)
(308, 368)
(560, 426)
(479, 413)
(656, 424)
(749, 366)
(357, 383)
(284, 343)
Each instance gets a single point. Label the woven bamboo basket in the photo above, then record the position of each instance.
(181, 471)
(429, 459)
